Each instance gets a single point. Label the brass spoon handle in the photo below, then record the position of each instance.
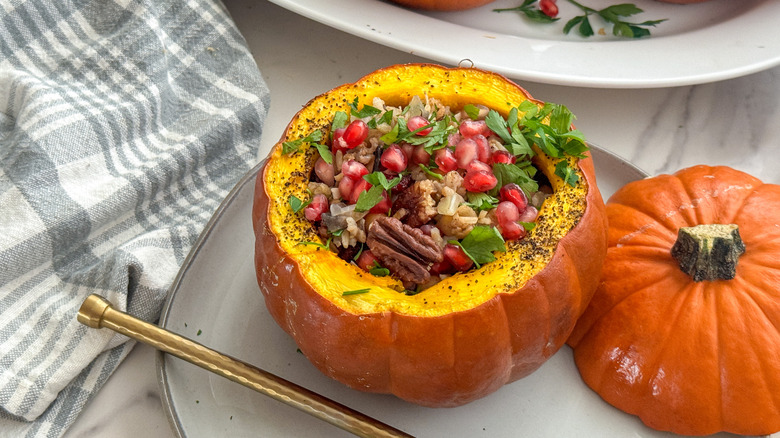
(97, 312)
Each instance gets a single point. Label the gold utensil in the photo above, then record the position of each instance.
(97, 312)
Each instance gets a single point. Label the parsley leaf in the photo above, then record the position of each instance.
(481, 242)
(296, 204)
(387, 118)
(368, 199)
(379, 179)
(528, 225)
(340, 120)
(614, 15)
(373, 196)
(471, 110)
(325, 152)
(481, 201)
(290, 147)
(365, 111)
(509, 131)
(392, 136)
(511, 173)
(563, 170)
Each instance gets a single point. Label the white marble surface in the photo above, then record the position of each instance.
(735, 123)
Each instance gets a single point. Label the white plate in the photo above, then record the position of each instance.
(215, 300)
(705, 42)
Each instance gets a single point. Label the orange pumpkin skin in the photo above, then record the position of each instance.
(443, 5)
(424, 348)
(691, 358)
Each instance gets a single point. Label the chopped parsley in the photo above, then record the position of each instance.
(298, 205)
(373, 196)
(481, 201)
(355, 292)
(614, 15)
(292, 146)
(364, 112)
(480, 244)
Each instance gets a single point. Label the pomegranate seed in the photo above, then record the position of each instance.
(502, 157)
(457, 258)
(346, 185)
(479, 181)
(408, 150)
(417, 122)
(366, 260)
(339, 144)
(420, 155)
(470, 128)
(454, 138)
(324, 171)
(507, 216)
(354, 169)
(548, 8)
(442, 267)
(319, 204)
(383, 206)
(513, 193)
(478, 165)
(360, 186)
(507, 212)
(465, 152)
(393, 159)
(483, 148)
(445, 159)
(512, 231)
(404, 184)
(355, 134)
(529, 215)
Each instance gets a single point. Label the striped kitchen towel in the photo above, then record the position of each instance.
(123, 124)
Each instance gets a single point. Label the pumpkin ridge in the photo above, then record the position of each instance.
(772, 396)
(717, 189)
(686, 297)
(649, 224)
(754, 287)
(651, 282)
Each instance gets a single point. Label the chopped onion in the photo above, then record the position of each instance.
(449, 204)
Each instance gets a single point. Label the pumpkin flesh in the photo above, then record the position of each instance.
(465, 336)
(689, 357)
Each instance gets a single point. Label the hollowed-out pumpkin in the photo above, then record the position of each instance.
(469, 334)
(686, 335)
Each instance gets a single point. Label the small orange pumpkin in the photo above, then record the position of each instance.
(463, 337)
(687, 356)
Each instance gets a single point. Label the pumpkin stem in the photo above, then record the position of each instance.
(709, 252)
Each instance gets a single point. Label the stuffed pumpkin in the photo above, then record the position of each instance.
(473, 329)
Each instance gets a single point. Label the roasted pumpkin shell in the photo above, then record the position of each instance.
(464, 337)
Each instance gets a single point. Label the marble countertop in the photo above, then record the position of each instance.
(734, 123)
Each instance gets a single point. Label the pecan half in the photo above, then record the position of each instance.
(405, 251)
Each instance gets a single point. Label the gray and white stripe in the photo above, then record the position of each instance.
(122, 126)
